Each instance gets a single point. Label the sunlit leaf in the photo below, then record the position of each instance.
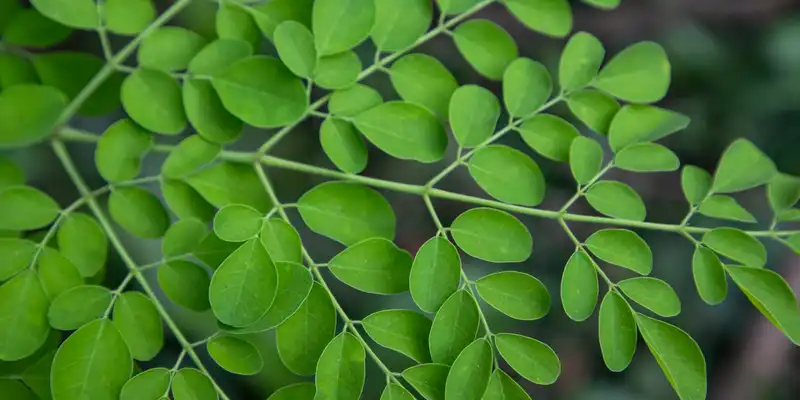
(337, 71)
(653, 294)
(638, 74)
(585, 159)
(150, 384)
(28, 114)
(526, 87)
(696, 183)
(353, 100)
(647, 157)
(343, 145)
(139, 324)
(237, 223)
(153, 99)
(594, 108)
(623, 248)
(399, 25)
(502, 387)
(340, 25)
(725, 207)
(119, 151)
(580, 61)
(640, 123)
(230, 183)
(770, 293)
(191, 384)
(169, 48)
(549, 17)
(340, 372)
(709, 276)
(190, 155)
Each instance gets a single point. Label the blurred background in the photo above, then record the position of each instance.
(736, 73)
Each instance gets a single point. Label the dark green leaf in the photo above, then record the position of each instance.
(183, 238)
(340, 25)
(526, 87)
(435, 273)
(454, 327)
(428, 379)
(70, 72)
(638, 74)
(238, 223)
(169, 48)
(150, 384)
(17, 254)
(29, 28)
(486, 46)
(185, 283)
(399, 25)
(737, 245)
(230, 183)
(652, 294)
(337, 71)
(83, 242)
(78, 306)
(770, 293)
(340, 371)
(594, 108)
(616, 200)
(404, 331)
(579, 287)
(15, 70)
(404, 130)
(696, 183)
(28, 114)
(373, 265)
(190, 155)
(191, 384)
(343, 145)
(580, 61)
(639, 123)
(139, 324)
(423, 80)
(23, 316)
(585, 159)
(474, 112)
(516, 294)
(57, 273)
(725, 207)
(302, 338)
(492, 235)
(153, 99)
(138, 211)
(16, 390)
(549, 17)
(127, 17)
(502, 387)
(470, 373)
(647, 157)
(623, 248)
(295, 45)
(508, 175)
(742, 166)
(235, 355)
(354, 100)
(532, 359)
(549, 135)
(617, 332)
(709, 276)
(119, 151)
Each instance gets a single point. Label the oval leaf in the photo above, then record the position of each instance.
(340, 372)
(404, 130)
(652, 294)
(138, 211)
(508, 175)
(24, 208)
(616, 200)
(428, 379)
(237, 223)
(340, 25)
(492, 235)
(770, 293)
(736, 245)
(474, 112)
(454, 327)
(423, 80)
(579, 287)
(185, 283)
(638, 74)
(742, 166)
(580, 61)
(639, 123)
(585, 159)
(516, 294)
(623, 248)
(617, 332)
(647, 157)
(374, 266)
(549, 135)
(343, 145)
(139, 324)
(526, 87)
(403, 331)
(725, 207)
(190, 155)
(295, 45)
(23, 316)
(302, 338)
(470, 373)
(191, 384)
(153, 99)
(399, 25)
(281, 241)
(709, 276)
(435, 274)
(78, 306)
(235, 355)
(594, 108)
(532, 359)
(695, 183)
(28, 114)
(150, 384)
(119, 152)
(486, 46)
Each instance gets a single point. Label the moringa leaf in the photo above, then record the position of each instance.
(508, 175)
(23, 316)
(185, 283)
(343, 145)
(736, 245)
(139, 324)
(185, 202)
(428, 379)
(17, 254)
(57, 273)
(150, 384)
(516, 294)
(399, 25)
(783, 192)
(152, 98)
(138, 211)
(354, 100)
(623, 248)
(532, 359)
(83, 242)
(394, 391)
(696, 183)
(526, 87)
(341, 372)
(424, 80)
(26, 208)
(169, 48)
(295, 45)
(183, 237)
(296, 391)
(580, 61)
(120, 150)
(128, 18)
(404, 130)
(492, 235)
(404, 331)
(28, 114)
(435, 273)
(579, 287)
(235, 22)
(594, 108)
(78, 306)
(652, 294)
(549, 17)
(230, 183)
(454, 327)
(470, 373)
(218, 55)
(340, 25)
(725, 207)
(302, 338)
(337, 71)
(81, 14)
(617, 332)
(238, 223)
(474, 112)
(191, 384)
(635, 123)
(502, 387)
(640, 73)
(585, 159)
(235, 355)
(373, 265)
(549, 135)
(281, 241)
(189, 156)
(742, 166)
(647, 157)
(616, 200)
(486, 46)
(770, 293)
(70, 72)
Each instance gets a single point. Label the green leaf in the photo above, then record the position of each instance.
(736, 245)
(28, 114)
(83, 242)
(262, 92)
(235, 355)
(340, 372)
(295, 45)
(470, 373)
(281, 241)
(297, 391)
(218, 55)
(453, 7)
(9, 8)
(79, 305)
(549, 135)
(725, 207)
(585, 159)
(56, 273)
(770, 293)
(783, 192)
(16, 390)
(404, 130)
(424, 80)
(185, 283)
(603, 4)
(139, 324)
(208, 116)
(29, 28)
(343, 145)
(486, 46)
(508, 175)
(17, 254)
(435, 273)
(399, 25)
(244, 286)
(492, 235)
(150, 384)
(340, 25)
(404, 331)
(183, 237)
(138, 211)
(526, 87)
(347, 212)
(373, 265)
(190, 155)
(191, 384)
(474, 112)
(742, 166)
(549, 17)
(11, 174)
(623, 248)
(579, 287)
(26, 208)
(652, 294)
(185, 202)
(153, 99)
(454, 327)
(81, 14)
(15, 70)
(394, 391)
(709, 276)
(169, 48)
(302, 338)
(678, 356)
(70, 72)
(23, 316)
(580, 61)
(617, 332)
(502, 387)
(594, 108)
(230, 183)
(789, 215)
(92, 363)
(639, 123)
(337, 71)
(268, 15)
(616, 200)
(638, 74)
(213, 250)
(120, 150)
(238, 223)
(696, 183)
(516, 294)
(235, 22)
(354, 100)
(428, 379)
(647, 157)
(532, 359)
(125, 17)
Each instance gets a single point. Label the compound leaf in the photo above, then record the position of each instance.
(516, 294)
(742, 166)
(404, 130)
(235, 355)
(623, 248)
(579, 287)
(29, 28)
(532, 359)
(474, 112)
(138, 211)
(470, 373)
(549, 135)
(373, 265)
(399, 25)
(653, 294)
(235, 22)
(139, 324)
(492, 235)
(185, 283)
(435, 274)
(404, 331)
(454, 327)
(508, 175)
(617, 332)
(638, 74)
(616, 200)
(736, 245)
(424, 80)
(303, 336)
(340, 25)
(486, 46)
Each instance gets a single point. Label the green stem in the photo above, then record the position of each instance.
(579, 247)
(582, 190)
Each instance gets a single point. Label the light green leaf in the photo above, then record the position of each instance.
(647, 157)
(678, 356)
(549, 17)
(532, 359)
(603, 4)
(354, 100)
(230, 183)
(696, 183)
(428, 379)
(492, 235)
(783, 192)
(617, 332)
(516, 294)
(337, 71)
(28, 114)
(742, 166)
(770, 293)
(549, 135)
(57, 273)
(585, 159)
(399, 25)
(508, 175)
(191, 384)
(526, 87)
(138, 211)
(404, 331)
(302, 338)
(190, 155)
(218, 55)
(616, 200)
(404, 130)
(92, 363)
(235, 22)
(185, 283)
(126, 17)
(213, 250)
(29, 28)
(424, 80)
(295, 45)
(79, 305)
(15, 70)
(268, 15)
(638, 74)
(26, 208)
(70, 72)
(340, 25)
(454, 327)
(474, 112)
(453, 7)
(347, 212)
(725, 207)
(153, 99)
(185, 202)
(789, 215)
(486, 46)
(640, 123)
(281, 241)
(470, 373)
(594, 108)
(736, 245)
(150, 384)
(579, 287)
(238, 223)
(23, 316)
(235, 355)
(139, 324)
(81, 14)
(296, 391)
(244, 286)
(169, 48)
(17, 254)
(261, 91)
(652, 294)
(373, 265)
(709, 276)
(623, 248)
(340, 372)
(120, 150)
(435, 274)
(83, 242)
(580, 61)
(502, 387)
(394, 391)
(343, 145)
(183, 237)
